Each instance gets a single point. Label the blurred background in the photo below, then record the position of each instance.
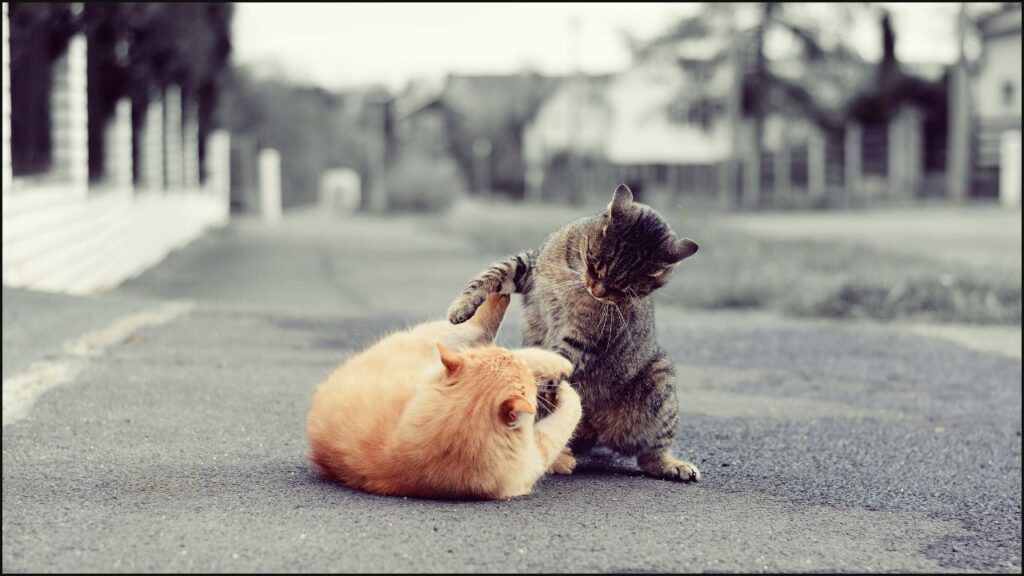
(837, 160)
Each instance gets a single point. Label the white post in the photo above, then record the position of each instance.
(852, 161)
(190, 147)
(117, 157)
(6, 48)
(1009, 168)
(218, 166)
(270, 185)
(69, 117)
(816, 164)
(173, 138)
(896, 149)
(151, 155)
(751, 170)
(904, 153)
(915, 151)
(781, 196)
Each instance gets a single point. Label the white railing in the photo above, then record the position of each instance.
(61, 235)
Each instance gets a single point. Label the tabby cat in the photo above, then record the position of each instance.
(586, 296)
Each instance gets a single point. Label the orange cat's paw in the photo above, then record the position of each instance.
(565, 464)
(569, 399)
(490, 314)
(545, 365)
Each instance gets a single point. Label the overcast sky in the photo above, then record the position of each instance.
(336, 45)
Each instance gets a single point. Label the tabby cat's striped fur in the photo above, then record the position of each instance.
(585, 296)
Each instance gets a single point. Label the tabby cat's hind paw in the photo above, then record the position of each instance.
(669, 467)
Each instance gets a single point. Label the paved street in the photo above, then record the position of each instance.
(160, 427)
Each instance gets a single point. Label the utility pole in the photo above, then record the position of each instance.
(958, 164)
(482, 166)
(576, 84)
(377, 200)
(729, 183)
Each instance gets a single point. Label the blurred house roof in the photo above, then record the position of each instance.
(486, 103)
(492, 102)
(418, 93)
(652, 114)
(831, 85)
(1004, 20)
(574, 116)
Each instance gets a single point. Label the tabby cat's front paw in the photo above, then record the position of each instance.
(464, 308)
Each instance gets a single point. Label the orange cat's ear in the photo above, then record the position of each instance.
(512, 408)
(452, 361)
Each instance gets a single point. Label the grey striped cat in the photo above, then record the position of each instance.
(585, 296)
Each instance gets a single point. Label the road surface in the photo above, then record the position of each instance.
(160, 427)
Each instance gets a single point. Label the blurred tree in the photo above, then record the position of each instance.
(759, 88)
(313, 129)
(133, 47)
(891, 87)
(38, 35)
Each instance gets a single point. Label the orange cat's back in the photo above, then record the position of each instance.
(354, 411)
(438, 411)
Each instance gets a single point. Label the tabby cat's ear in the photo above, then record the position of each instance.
(513, 408)
(681, 249)
(452, 361)
(622, 198)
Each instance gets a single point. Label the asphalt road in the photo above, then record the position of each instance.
(179, 445)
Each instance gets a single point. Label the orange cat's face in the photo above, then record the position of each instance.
(498, 380)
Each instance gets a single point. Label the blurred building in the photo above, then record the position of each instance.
(714, 110)
(996, 102)
(476, 119)
(572, 122)
(656, 126)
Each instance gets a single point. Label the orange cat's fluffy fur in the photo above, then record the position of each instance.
(436, 411)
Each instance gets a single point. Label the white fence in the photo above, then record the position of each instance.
(60, 234)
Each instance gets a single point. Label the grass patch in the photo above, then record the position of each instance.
(733, 270)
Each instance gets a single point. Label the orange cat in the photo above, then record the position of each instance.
(436, 411)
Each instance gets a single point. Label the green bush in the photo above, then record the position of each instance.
(733, 270)
(417, 183)
(945, 298)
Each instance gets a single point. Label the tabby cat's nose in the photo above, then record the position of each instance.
(598, 289)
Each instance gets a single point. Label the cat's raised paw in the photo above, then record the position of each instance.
(545, 365)
(462, 310)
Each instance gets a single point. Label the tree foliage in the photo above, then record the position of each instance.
(311, 128)
(133, 48)
(763, 89)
